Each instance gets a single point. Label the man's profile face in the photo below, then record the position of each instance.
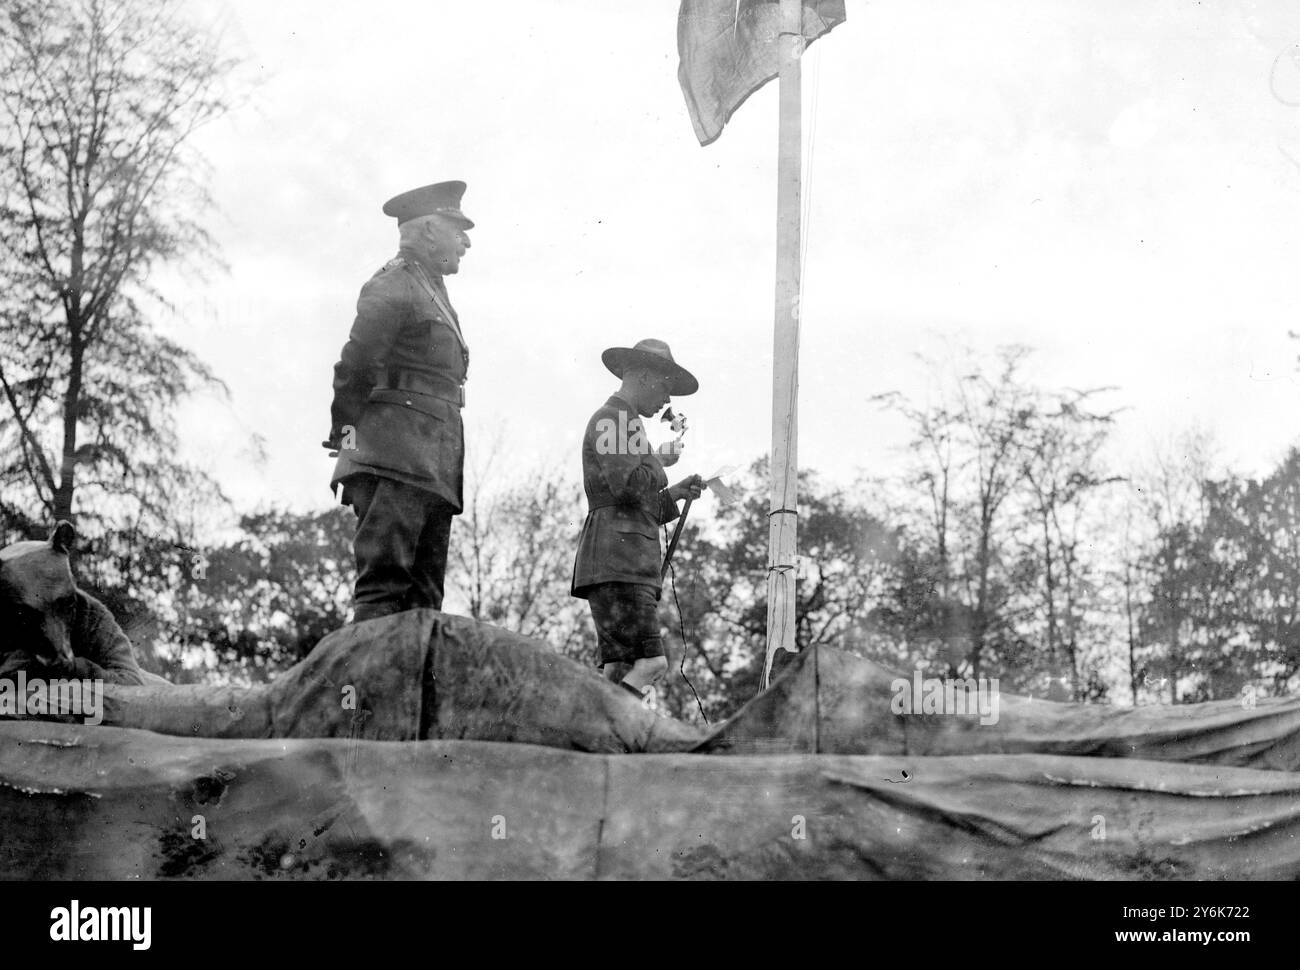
(654, 393)
(445, 243)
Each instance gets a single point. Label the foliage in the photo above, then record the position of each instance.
(511, 557)
(720, 581)
(97, 189)
(250, 608)
(1001, 489)
(1224, 611)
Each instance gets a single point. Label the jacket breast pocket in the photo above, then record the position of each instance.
(442, 346)
(636, 549)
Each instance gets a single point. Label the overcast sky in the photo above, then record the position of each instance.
(1115, 184)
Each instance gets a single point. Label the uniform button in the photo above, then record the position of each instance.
(408, 404)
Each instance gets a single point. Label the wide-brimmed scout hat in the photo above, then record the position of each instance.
(441, 198)
(655, 354)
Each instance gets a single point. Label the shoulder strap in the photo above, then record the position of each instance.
(418, 274)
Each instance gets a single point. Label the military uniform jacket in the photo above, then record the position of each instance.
(399, 384)
(627, 500)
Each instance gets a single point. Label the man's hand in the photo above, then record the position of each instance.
(670, 451)
(691, 488)
(334, 442)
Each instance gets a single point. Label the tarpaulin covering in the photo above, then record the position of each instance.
(430, 746)
(414, 675)
(426, 675)
(829, 701)
(112, 803)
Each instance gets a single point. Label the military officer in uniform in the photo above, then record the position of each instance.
(395, 421)
(620, 555)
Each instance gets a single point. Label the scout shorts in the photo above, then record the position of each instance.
(627, 621)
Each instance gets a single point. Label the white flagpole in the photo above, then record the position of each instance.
(782, 516)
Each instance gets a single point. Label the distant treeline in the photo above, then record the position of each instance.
(1008, 548)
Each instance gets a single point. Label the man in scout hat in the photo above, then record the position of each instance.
(617, 569)
(395, 421)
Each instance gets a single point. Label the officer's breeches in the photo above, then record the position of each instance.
(400, 546)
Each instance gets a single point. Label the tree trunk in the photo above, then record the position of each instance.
(1132, 643)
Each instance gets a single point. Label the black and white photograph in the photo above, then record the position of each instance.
(761, 441)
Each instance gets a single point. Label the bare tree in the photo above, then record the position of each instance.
(1001, 472)
(1061, 471)
(512, 553)
(934, 429)
(995, 415)
(1170, 491)
(98, 100)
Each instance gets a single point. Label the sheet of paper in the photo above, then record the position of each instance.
(719, 487)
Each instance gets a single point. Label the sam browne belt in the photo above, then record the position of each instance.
(418, 383)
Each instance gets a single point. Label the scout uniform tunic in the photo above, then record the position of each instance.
(627, 499)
